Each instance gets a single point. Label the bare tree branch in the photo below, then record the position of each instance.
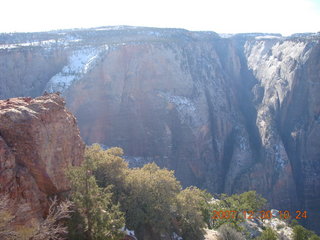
(52, 228)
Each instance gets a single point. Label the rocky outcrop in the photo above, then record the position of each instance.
(39, 140)
(227, 114)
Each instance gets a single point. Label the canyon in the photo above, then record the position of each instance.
(228, 113)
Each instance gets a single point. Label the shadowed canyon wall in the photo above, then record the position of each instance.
(227, 114)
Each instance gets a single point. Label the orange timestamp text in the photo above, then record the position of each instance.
(285, 214)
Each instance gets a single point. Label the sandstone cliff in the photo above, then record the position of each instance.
(227, 114)
(39, 139)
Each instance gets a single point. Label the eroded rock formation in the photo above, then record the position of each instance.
(39, 140)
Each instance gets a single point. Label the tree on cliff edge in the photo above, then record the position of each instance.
(101, 218)
(151, 198)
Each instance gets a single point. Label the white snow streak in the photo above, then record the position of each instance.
(46, 43)
(80, 62)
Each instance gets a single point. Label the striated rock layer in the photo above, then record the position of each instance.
(39, 140)
(227, 114)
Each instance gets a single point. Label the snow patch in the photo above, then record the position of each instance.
(185, 107)
(176, 236)
(226, 35)
(268, 37)
(243, 143)
(45, 43)
(128, 232)
(28, 44)
(80, 62)
(114, 28)
(183, 104)
(280, 156)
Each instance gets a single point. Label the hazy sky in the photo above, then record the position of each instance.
(223, 16)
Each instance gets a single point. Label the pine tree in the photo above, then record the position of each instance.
(191, 212)
(102, 219)
(152, 195)
(111, 170)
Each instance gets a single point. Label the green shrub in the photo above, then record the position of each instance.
(268, 234)
(314, 237)
(247, 201)
(280, 226)
(300, 233)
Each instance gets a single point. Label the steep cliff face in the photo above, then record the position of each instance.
(39, 140)
(288, 113)
(227, 114)
(25, 72)
(158, 101)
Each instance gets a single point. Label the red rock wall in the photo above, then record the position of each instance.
(39, 140)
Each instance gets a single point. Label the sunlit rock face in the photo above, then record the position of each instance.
(39, 141)
(227, 114)
(288, 116)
